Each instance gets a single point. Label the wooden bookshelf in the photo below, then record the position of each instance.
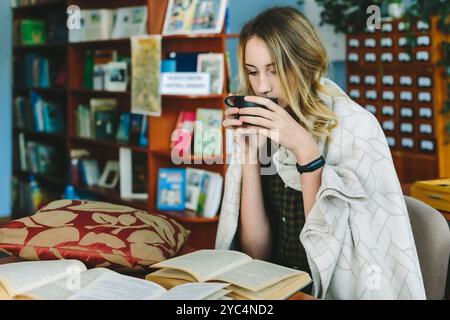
(51, 182)
(158, 153)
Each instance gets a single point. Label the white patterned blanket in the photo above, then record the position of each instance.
(357, 236)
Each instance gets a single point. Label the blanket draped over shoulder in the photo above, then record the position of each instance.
(357, 236)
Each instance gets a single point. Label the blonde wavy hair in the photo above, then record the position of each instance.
(300, 62)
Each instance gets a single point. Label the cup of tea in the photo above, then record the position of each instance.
(239, 102)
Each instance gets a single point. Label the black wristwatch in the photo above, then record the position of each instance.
(312, 166)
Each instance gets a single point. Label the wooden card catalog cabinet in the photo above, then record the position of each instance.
(404, 89)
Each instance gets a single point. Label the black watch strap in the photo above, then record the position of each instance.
(312, 166)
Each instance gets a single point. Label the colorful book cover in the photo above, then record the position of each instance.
(143, 138)
(171, 189)
(208, 132)
(123, 131)
(181, 138)
(135, 128)
(194, 179)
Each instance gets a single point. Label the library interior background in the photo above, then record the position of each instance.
(108, 100)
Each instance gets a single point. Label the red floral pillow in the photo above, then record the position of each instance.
(98, 234)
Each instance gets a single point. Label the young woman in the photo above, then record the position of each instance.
(332, 205)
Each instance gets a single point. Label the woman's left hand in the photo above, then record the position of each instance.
(278, 125)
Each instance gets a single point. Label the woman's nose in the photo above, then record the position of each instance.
(264, 85)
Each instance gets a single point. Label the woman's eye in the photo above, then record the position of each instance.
(253, 73)
(273, 72)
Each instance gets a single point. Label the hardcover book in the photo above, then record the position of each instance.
(171, 189)
(249, 278)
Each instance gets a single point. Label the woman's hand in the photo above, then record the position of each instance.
(248, 139)
(278, 125)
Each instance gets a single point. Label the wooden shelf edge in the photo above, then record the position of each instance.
(99, 92)
(41, 5)
(207, 96)
(109, 144)
(185, 216)
(41, 176)
(41, 134)
(112, 196)
(192, 160)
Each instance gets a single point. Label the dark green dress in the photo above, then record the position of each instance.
(284, 208)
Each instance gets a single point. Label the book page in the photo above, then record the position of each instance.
(194, 291)
(280, 290)
(205, 264)
(20, 277)
(256, 275)
(173, 274)
(64, 288)
(115, 286)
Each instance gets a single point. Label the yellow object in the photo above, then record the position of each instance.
(436, 193)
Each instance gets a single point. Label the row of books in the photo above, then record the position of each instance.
(37, 157)
(196, 190)
(51, 30)
(130, 170)
(38, 114)
(104, 24)
(100, 121)
(38, 71)
(202, 128)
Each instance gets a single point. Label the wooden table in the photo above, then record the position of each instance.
(297, 296)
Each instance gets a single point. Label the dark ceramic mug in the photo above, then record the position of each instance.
(239, 102)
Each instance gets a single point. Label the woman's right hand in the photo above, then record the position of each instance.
(248, 140)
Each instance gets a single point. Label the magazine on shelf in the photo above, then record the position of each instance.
(130, 21)
(213, 63)
(208, 132)
(171, 189)
(194, 17)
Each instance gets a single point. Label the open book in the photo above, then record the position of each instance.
(70, 280)
(248, 278)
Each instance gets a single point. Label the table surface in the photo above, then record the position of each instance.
(297, 296)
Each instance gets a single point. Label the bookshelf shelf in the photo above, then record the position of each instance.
(42, 48)
(42, 135)
(187, 216)
(45, 5)
(101, 93)
(112, 195)
(42, 177)
(201, 36)
(219, 160)
(109, 144)
(109, 42)
(54, 90)
(194, 97)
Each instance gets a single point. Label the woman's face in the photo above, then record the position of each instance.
(261, 71)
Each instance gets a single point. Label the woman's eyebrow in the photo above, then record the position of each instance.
(267, 65)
